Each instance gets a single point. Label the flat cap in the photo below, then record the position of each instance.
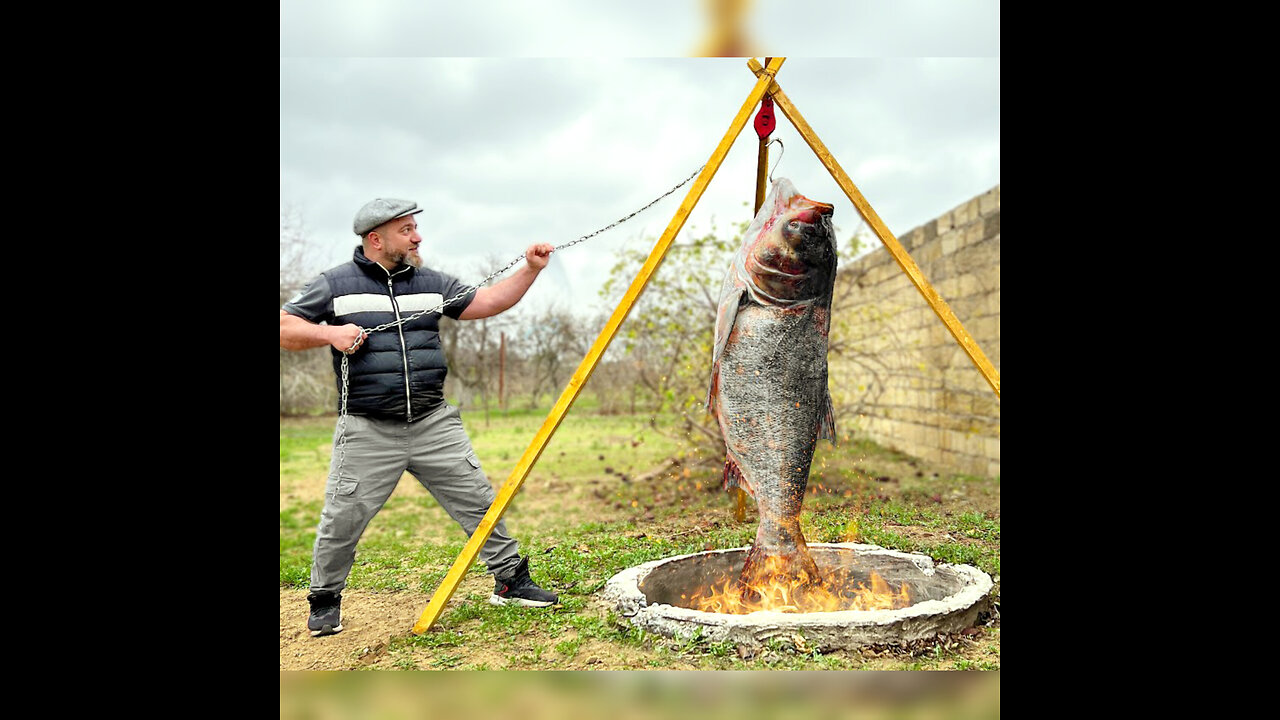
(376, 212)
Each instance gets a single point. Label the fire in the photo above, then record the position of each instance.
(781, 592)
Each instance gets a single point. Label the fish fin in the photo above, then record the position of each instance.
(715, 384)
(827, 425)
(733, 477)
(747, 576)
(726, 313)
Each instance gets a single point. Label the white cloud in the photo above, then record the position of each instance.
(504, 152)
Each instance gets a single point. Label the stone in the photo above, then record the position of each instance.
(991, 225)
(989, 202)
(945, 598)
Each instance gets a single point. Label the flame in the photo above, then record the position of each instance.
(780, 591)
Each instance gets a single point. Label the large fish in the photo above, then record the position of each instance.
(769, 372)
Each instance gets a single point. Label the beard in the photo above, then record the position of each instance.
(408, 258)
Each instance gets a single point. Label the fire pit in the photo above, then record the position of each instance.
(660, 596)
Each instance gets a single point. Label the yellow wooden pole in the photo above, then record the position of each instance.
(895, 248)
(588, 364)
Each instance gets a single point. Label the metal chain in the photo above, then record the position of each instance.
(513, 263)
(342, 415)
(342, 421)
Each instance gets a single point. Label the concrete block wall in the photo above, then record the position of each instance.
(898, 376)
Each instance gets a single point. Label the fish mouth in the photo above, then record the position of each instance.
(809, 223)
(814, 214)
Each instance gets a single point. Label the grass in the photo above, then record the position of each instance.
(582, 517)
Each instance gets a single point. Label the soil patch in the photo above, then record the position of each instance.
(371, 621)
(934, 536)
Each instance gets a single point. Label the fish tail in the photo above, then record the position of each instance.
(797, 566)
(808, 567)
(747, 576)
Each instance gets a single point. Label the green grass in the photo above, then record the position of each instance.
(581, 522)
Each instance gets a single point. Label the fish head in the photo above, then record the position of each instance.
(792, 255)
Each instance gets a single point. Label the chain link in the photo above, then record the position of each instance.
(342, 421)
(513, 263)
(342, 415)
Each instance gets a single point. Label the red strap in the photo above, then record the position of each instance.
(764, 118)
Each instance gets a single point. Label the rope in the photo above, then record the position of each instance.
(342, 413)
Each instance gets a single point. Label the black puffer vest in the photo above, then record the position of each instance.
(398, 373)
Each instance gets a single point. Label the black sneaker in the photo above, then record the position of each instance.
(519, 588)
(326, 614)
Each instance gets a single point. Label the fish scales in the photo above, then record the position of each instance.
(773, 424)
(769, 371)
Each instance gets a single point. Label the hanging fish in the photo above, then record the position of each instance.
(769, 372)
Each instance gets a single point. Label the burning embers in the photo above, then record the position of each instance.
(868, 595)
(779, 590)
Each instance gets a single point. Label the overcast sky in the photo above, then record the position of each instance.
(521, 148)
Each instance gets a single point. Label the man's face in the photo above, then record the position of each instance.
(400, 240)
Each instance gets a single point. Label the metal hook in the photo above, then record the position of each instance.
(775, 164)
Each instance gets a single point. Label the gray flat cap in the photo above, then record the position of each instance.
(376, 212)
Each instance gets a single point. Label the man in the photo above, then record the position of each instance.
(397, 418)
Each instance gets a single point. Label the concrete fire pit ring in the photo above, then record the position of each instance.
(946, 598)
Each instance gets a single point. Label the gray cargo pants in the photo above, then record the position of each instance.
(436, 451)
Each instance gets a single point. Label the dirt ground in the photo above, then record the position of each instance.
(372, 621)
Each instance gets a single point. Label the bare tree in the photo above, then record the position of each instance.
(554, 343)
(471, 348)
(667, 338)
(307, 382)
(613, 381)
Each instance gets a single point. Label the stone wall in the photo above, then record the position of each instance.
(897, 374)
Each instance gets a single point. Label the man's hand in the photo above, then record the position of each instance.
(344, 337)
(490, 301)
(538, 255)
(297, 333)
